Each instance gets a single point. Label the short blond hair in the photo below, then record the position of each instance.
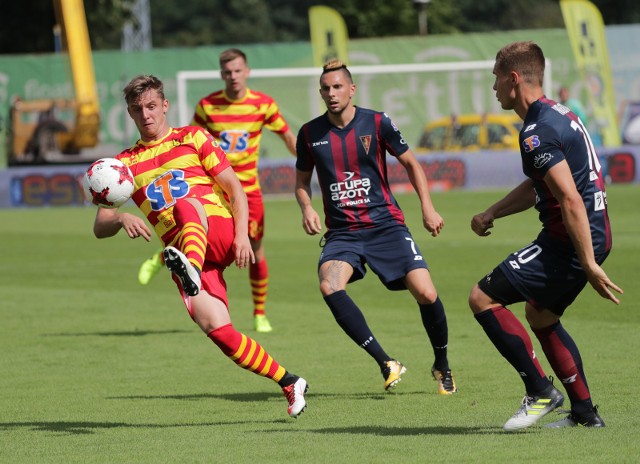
(230, 55)
(336, 65)
(139, 85)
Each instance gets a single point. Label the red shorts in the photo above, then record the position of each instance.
(219, 255)
(256, 215)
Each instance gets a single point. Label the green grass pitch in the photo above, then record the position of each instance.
(95, 368)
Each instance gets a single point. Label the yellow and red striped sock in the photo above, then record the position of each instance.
(246, 352)
(193, 243)
(193, 237)
(259, 279)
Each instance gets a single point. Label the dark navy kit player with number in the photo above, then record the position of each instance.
(566, 186)
(347, 147)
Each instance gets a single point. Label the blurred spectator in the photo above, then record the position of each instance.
(573, 104)
(576, 107)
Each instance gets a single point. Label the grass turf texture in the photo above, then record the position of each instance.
(96, 368)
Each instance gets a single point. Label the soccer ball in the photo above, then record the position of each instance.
(108, 183)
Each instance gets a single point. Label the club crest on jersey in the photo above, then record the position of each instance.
(531, 143)
(365, 140)
(541, 159)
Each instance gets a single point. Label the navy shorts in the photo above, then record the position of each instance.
(545, 275)
(390, 252)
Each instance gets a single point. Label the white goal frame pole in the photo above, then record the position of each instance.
(182, 76)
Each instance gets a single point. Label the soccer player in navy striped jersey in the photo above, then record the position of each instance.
(565, 185)
(347, 146)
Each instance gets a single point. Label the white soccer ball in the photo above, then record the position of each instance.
(108, 183)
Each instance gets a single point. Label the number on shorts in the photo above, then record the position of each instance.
(416, 256)
(525, 255)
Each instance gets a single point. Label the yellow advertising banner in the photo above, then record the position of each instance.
(588, 41)
(329, 37)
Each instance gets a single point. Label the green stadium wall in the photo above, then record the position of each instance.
(411, 100)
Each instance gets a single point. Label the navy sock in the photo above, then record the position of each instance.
(511, 339)
(352, 321)
(434, 320)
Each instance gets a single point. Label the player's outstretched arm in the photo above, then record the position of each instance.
(108, 223)
(481, 223)
(519, 199)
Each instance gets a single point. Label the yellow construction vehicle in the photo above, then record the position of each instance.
(58, 130)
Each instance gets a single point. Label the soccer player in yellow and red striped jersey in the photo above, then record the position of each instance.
(195, 203)
(236, 116)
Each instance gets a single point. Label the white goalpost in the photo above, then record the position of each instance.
(412, 93)
(182, 77)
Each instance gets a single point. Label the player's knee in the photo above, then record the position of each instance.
(478, 300)
(189, 210)
(258, 250)
(539, 318)
(327, 287)
(427, 297)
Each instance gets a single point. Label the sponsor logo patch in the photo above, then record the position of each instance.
(234, 141)
(351, 191)
(531, 143)
(541, 159)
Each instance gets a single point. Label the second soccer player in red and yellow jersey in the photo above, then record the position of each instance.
(236, 116)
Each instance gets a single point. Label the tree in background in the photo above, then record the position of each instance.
(28, 25)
